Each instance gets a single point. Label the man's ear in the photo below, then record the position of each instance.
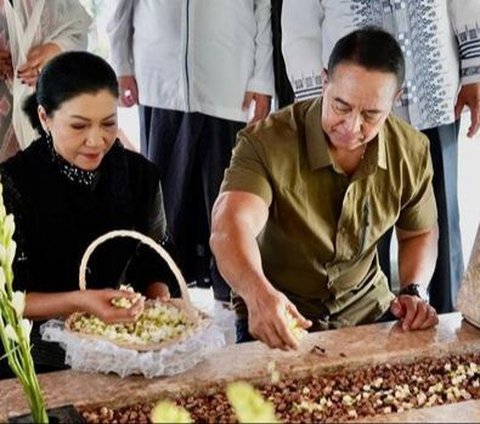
(324, 76)
(43, 116)
(398, 95)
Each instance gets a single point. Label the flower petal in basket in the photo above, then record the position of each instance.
(161, 324)
(145, 334)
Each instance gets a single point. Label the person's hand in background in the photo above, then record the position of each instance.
(37, 58)
(128, 91)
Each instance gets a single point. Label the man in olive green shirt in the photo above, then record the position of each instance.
(309, 193)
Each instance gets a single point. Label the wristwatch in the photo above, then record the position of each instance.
(415, 289)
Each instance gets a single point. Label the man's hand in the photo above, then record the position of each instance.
(37, 58)
(469, 95)
(267, 319)
(6, 69)
(128, 90)
(261, 104)
(413, 312)
(159, 291)
(99, 303)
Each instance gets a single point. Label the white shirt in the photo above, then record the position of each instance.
(194, 55)
(440, 40)
(30, 23)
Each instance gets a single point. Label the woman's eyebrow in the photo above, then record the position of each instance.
(83, 118)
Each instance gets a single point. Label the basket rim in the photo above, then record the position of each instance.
(191, 311)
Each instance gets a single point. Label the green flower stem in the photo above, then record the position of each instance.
(17, 345)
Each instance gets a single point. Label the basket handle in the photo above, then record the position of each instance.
(149, 242)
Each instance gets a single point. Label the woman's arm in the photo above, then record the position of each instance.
(97, 302)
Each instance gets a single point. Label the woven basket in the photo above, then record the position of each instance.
(197, 318)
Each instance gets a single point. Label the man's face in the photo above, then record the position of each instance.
(356, 103)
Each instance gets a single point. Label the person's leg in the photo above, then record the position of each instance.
(449, 268)
(144, 115)
(172, 145)
(217, 143)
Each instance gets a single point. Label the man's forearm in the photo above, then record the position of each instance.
(238, 259)
(417, 257)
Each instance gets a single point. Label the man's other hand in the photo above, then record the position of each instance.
(413, 312)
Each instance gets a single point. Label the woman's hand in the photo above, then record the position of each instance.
(37, 58)
(6, 69)
(99, 303)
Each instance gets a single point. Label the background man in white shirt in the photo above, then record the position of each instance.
(199, 71)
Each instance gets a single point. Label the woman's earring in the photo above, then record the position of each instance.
(48, 136)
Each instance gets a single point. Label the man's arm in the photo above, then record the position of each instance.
(62, 33)
(260, 86)
(120, 34)
(417, 255)
(465, 19)
(302, 46)
(237, 219)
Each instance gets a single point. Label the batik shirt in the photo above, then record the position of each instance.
(440, 40)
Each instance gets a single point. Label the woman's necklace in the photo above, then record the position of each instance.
(70, 171)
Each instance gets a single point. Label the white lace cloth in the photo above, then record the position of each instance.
(105, 357)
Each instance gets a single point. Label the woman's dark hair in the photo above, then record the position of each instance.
(371, 48)
(66, 76)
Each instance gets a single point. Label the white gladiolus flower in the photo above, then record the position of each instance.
(18, 302)
(11, 249)
(8, 226)
(3, 212)
(10, 333)
(3, 254)
(2, 280)
(26, 325)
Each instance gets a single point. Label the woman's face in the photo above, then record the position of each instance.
(83, 128)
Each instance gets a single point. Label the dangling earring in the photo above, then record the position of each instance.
(48, 137)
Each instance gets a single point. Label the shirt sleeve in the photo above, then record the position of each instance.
(72, 23)
(302, 46)
(261, 80)
(120, 34)
(248, 171)
(419, 209)
(465, 19)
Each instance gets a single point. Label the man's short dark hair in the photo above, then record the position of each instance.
(371, 48)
